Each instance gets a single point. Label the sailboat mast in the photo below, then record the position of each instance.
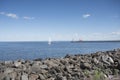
(49, 42)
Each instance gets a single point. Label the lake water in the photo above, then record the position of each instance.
(33, 50)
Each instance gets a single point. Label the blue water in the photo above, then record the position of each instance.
(33, 50)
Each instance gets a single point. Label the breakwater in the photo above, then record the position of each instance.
(95, 66)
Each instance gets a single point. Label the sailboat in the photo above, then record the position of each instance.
(49, 42)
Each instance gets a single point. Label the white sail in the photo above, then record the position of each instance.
(49, 42)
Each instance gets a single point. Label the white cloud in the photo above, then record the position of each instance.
(12, 15)
(86, 15)
(28, 18)
(15, 16)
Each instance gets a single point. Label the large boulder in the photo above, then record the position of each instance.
(107, 59)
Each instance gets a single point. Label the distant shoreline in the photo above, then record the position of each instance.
(70, 41)
(97, 41)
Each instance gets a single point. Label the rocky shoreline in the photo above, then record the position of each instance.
(95, 66)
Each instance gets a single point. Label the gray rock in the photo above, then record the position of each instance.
(59, 77)
(17, 63)
(8, 70)
(37, 63)
(24, 77)
(35, 68)
(43, 66)
(95, 61)
(85, 66)
(8, 62)
(33, 77)
(41, 77)
(51, 63)
(13, 75)
(7, 78)
(107, 59)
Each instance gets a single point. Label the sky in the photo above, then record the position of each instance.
(60, 20)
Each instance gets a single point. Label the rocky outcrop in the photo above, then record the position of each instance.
(102, 65)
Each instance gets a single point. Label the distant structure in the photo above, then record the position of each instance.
(76, 38)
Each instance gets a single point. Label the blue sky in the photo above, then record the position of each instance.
(37, 20)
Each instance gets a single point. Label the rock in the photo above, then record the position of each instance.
(107, 59)
(7, 78)
(18, 76)
(64, 61)
(8, 70)
(110, 60)
(8, 62)
(85, 66)
(13, 75)
(2, 76)
(42, 71)
(67, 56)
(60, 77)
(38, 59)
(57, 69)
(33, 77)
(24, 76)
(95, 61)
(41, 77)
(118, 66)
(67, 69)
(51, 63)
(37, 63)
(35, 68)
(17, 64)
(43, 66)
